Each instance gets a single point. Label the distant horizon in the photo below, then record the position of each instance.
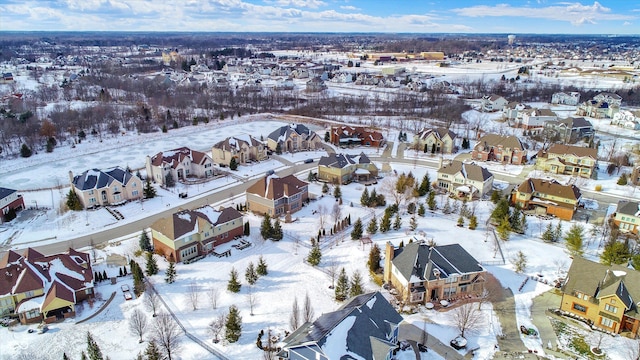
(605, 17)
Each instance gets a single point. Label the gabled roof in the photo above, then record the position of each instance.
(421, 260)
(186, 222)
(494, 140)
(579, 151)
(439, 133)
(285, 132)
(176, 156)
(628, 207)
(342, 160)
(576, 123)
(97, 179)
(468, 171)
(273, 187)
(550, 187)
(359, 132)
(4, 192)
(236, 142)
(366, 321)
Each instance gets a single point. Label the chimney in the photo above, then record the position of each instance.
(436, 273)
(388, 258)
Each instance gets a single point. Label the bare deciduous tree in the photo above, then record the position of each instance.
(213, 295)
(192, 295)
(138, 323)
(151, 301)
(332, 270)
(466, 318)
(307, 310)
(491, 290)
(322, 216)
(252, 299)
(336, 212)
(166, 333)
(216, 325)
(294, 319)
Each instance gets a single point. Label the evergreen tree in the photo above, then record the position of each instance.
(397, 222)
(152, 265)
(385, 223)
(523, 224)
(421, 210)
(446, 209)
(337, 193)
(145, 244)
(501, 211)
(170, 274)
(473, 222)
(465, 143)
(425, 185)
(262, 270)
(152, 352)
(496, 196)
(149, 191)
(310, 177)
(548, 235)
(93, 350)
(25, 151)
(356, 233)
(355, 288)
(504, 229)
(615, 252)
(266, 230)
(557, 234)
(374, 259)
(460, 221)
(623, 179)
(233, 285)
(138, 278)
(277, 233)
(247, 229)
(342, 286)
(514, 221)
(364, 198)
(64, 356)
(73, 203)
(520, 262)
(431, 200)
(278, 149)
(169, 181)
(315, 255)
(372, 228)
(411, 208)
(250, 274)
(233, 164)
(233, 325)
(327, 137)
(413, 223)
(425, 149)
(574, 240)
(325, 188)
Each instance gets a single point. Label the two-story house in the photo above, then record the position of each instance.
(562, 98)
(570, 130)
(627, 216)
(10, 200)
(39, 288)
(568, 160)
(439, 140)
(466, 181)
(293, 138)
(345, 135)
(501, 148)
(191, 233)
(491, 103)
(180, 164)
(244, 148)
(513, 110)
(606, 297)
(277, 196)
(109, 187)
(627, 119)
(535, 118)
(603, 105)
(345, 168)
(547, 197)
(422, 273)
(365, 327)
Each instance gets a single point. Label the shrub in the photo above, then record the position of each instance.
(598, 187)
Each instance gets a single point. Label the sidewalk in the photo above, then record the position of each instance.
(412, 333)
(510, 341)
(541, 303)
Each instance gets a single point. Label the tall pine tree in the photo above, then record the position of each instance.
(145, 243)
(93, 350)
(356, 233)
(342, 286)
(250, 274)
(315, 255)
(170, 274)
(355, 288)
(152, 265)
(262, 267)
(233, 325)
(233, 285)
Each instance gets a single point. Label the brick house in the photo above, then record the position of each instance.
(277, 196)
(9, 200)
(465, 180)
(439, 140)
(504, 149)
(568, 160)
(345, 168)
(109, 187)
(39, 288)
(191, 233)
(181, 163)
(547, 197)
(606, 297)
(422, 273)
(244, 148)
(358, 135)
(627, 216)
(293, 138)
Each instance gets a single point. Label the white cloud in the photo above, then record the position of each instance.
(626, 23)
(311, 4)
(349, 7)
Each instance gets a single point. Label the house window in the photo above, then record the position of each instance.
(115, 188)
(579, 307)
(607, 322)
(88, 291)
(32, 314)
(90, 192)
(463, 288)
(611, 309)
(451, 279)
(134, 193)
(92, 200)
(29, 294)
(466, 277)
(134, 184)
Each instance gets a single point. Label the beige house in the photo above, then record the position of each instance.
(492, 103)
(244, 148)
(627, 216)
(547, 197)
(506, 149)
(188, 234)
(535, 118)
(568, 160)
(109, 187)
(465, 180)
(294, 138)
(181, 163)
(344, 168)
(277, 196)
(438, 140)
(422, 273)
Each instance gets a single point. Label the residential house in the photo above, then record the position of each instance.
(316, 84)
(492, 103)
(513, 110)
(244, 148)
(277, 196)
(439, 140)
(188, 234)
(345, 168)
(627, 216)
(603, 105)
(547, 197)
(627, 119)
(293, 138)
(568, 160)
(605, 296)
(365, 327)
(535, 118)
(614, 100)
(358, 135)
(501, 148)
(422, 273)
(39, 288)
(109, 187)
(180, 163)
(10, 200)
(7, 78)
(562, 98)
(569, 130)
(467, 181)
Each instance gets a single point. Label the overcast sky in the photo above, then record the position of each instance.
(421, 16)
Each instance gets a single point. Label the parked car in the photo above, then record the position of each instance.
(308, 161)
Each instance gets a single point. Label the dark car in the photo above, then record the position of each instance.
(308, 161)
